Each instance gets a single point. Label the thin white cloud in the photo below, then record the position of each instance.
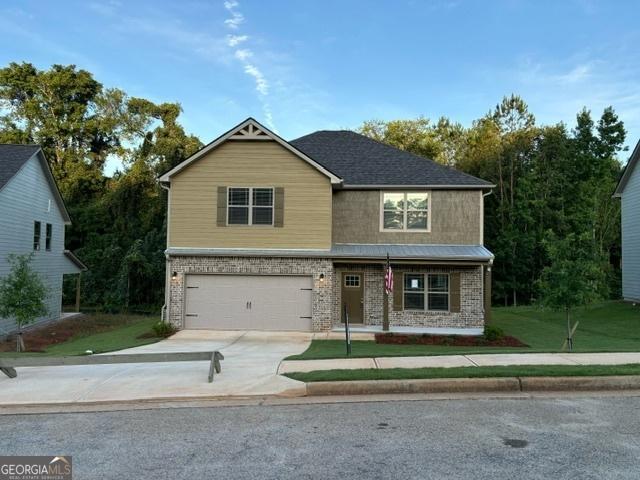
(244, 55)
(235, 40)
(261, 84)
(236, 17)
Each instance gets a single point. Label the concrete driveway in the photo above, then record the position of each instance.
(249, 368)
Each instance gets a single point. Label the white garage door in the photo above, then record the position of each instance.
(248, 302)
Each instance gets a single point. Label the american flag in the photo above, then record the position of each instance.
(388, 278)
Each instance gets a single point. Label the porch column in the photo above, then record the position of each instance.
(385, 310)
(487, 294)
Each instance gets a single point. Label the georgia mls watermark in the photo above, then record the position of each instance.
(35, 468)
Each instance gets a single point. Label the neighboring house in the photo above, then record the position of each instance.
(628, 191)
(33, 219)
(272, 235)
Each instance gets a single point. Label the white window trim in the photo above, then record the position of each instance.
(352, 275)
(48, 237)
(426, 292)
(37, 246)
(250, 206)
(405, 216)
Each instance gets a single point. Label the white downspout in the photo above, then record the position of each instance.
(163, 313)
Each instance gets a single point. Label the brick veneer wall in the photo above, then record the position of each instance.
(322, 310)
(471, 313)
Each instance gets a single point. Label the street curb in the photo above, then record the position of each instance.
(467, 385)
(548, 384)
(435, 385)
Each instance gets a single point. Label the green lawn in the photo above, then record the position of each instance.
(117, 339)
(606, 327)
(466, 372)
(115, 332)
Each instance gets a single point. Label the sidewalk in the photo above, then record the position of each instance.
(447, 361)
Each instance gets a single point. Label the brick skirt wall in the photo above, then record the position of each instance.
(326, 297)
(322, 296)
(471, 313)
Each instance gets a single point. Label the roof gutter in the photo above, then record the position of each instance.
(404, 187)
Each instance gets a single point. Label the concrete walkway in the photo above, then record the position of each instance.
(249, 369)
(448, 361)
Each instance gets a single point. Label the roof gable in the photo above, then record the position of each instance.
(628, 171)
(364, 162)
(13, 158)
(249, 130)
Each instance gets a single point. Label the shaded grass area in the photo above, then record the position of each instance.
(466, 372)
(605, 327)
(98, 332)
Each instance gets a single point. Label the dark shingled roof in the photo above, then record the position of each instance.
(12, 158)
(360, 160)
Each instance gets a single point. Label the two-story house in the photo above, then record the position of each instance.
(628, 190)
(267, 234)
(32, 220)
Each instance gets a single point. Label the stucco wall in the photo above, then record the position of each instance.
(456, 218)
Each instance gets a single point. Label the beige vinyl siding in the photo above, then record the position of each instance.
(236, 163)
(456, 218)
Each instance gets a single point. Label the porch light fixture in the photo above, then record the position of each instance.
(174, 275)
(322, 278)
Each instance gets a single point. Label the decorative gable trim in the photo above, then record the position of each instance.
(249, 130)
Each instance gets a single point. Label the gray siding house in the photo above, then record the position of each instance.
(628, 191)
(33, 219)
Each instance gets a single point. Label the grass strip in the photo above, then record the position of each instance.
(467, 372)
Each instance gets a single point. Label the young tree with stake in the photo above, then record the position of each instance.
(573, 278)
(22, 295)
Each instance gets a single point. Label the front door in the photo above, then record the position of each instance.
(353, 296)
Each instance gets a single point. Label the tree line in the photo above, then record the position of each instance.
(553, 183)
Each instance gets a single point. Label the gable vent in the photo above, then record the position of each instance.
(250, 132)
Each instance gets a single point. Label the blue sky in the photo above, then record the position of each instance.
(305, 65)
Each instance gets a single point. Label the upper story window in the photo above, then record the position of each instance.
(36, 235)
(47, 240)
(250, 206)
(405, 211)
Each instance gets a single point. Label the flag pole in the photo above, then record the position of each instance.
(385, 310)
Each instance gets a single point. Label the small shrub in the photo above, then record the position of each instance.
(164, 329)
(493, 333)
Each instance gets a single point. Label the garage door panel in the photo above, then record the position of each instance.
(276, 302)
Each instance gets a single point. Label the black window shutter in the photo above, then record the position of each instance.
(222, 207)
(278, 207)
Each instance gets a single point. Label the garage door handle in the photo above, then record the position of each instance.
(192, 314)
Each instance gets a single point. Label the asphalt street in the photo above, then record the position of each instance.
(577, 438)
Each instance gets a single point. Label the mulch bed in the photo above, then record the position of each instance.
(38, 338)
(447, 340)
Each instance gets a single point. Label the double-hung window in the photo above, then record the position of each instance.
(250, 206)
(36, 235)
(405, 211)
(426, 291)
(47, 239)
